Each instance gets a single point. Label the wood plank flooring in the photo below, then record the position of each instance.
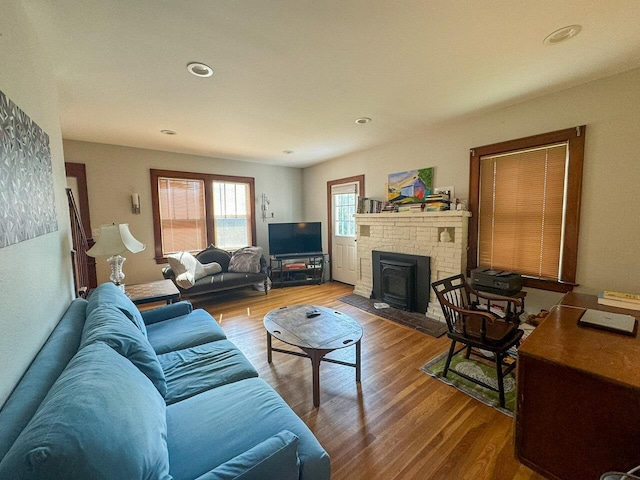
(398, 423)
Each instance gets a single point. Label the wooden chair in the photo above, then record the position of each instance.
(477, 325)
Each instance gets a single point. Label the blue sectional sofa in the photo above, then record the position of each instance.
(120, 394)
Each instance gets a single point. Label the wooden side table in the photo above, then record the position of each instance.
(150, 292)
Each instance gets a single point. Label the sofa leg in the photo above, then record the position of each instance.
(265, 286)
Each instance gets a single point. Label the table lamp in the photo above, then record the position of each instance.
(114, 240)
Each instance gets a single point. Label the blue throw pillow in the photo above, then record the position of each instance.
(276, 457)
(109, 325)
(101, 420)
(109, 294)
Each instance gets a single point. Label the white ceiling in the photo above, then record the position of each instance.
(295, 74)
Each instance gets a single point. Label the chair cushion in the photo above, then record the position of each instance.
(228, 280)
(109, 325)
(109, 294)
(177, 333)
(196, 369)
(276, 457)
(198, 445)
(101, 420)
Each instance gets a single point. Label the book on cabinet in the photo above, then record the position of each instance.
(618, 302)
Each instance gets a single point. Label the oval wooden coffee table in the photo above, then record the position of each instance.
(316, 331)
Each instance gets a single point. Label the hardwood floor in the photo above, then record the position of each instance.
(398, 423)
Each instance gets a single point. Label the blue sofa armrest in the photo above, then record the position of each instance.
(166, 312)
(276, 457)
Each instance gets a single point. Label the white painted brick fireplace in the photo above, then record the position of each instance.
(412, 233)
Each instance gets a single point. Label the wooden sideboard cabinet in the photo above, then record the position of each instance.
(578, 406)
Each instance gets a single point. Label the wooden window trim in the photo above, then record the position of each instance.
(208, 179)
(575, 137)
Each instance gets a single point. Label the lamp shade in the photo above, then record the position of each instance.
(114, 240)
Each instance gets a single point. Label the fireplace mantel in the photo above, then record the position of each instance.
(413, 233)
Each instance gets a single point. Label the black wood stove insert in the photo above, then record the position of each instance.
(401, 280)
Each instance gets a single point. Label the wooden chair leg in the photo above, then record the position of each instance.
(468, 353)
(449, 357)
(500, 379)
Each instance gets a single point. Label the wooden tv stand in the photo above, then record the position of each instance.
(578, 407)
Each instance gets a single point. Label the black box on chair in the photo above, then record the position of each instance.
(495, 281)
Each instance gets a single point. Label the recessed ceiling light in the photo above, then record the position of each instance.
(169, 132)
(562, 34)
(363, 120)
(200, 69)
(288, 152)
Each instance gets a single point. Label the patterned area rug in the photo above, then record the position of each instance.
(417, 321)
(477, 369)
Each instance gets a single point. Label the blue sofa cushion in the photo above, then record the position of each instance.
(196, 369)
(102, 419)
(109, 325)
(109, 294)
(196, 328)
(276, 457)
(166, 312)
(211, 428)
(52, 359)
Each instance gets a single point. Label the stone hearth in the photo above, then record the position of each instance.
(413, 234)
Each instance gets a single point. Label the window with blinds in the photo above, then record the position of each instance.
(182, 215)
(521, 212)
(524, 198)
(194, 210)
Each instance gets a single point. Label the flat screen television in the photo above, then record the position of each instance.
(302, 238)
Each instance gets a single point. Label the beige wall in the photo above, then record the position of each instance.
(115, 172)
(36, 286)
(609, 256)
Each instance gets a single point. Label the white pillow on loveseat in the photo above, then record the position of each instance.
(188, 269)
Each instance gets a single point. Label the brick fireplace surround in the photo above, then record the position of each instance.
(413, 234)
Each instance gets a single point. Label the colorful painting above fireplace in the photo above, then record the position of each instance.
(411, 186)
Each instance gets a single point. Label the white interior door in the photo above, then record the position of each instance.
(344, 199)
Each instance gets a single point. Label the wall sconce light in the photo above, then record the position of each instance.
(135, 203)
(265, 207)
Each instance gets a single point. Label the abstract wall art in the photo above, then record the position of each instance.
(27, 200)
(411, 186)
